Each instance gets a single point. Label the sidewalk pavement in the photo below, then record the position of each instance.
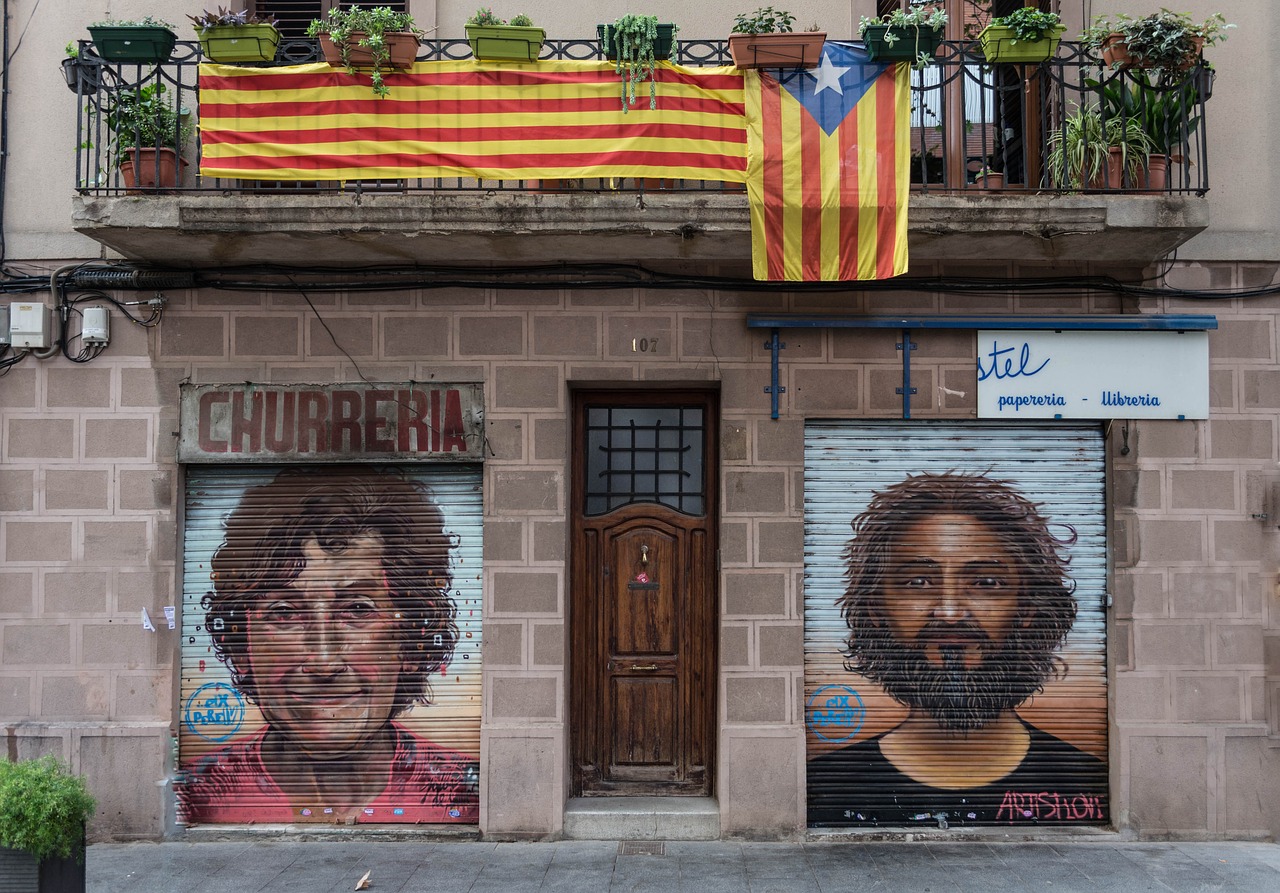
(726, 866)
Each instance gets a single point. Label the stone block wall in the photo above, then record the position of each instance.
(89, 496)
(1197, 615)
(87, 533)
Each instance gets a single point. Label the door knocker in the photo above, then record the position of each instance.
(641, 578)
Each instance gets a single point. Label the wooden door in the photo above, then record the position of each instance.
(643, 616)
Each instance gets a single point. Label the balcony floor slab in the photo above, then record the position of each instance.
(316, 229)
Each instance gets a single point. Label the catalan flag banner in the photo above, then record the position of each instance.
(827, 173)
(465, 118)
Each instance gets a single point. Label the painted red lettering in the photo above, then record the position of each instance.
(435, 421)
(412, 431)
(250, 427)
(375, 424)
(313, 413)
(281, 421)
(345, 423)
(454, 435)
(204, 427)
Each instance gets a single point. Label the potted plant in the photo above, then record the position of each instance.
(232, 37)
(1169, 41)
(910, 35)
(493, 39)
(147, 40)
(375, 40)
(148, 132)
(43, 810)
(764, 39)
(83, 77)
(1167, 115)
(1025, 35)
(635, 43)
(1089, 152)
(986, 178)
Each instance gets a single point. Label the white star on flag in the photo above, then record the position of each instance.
(829, 76)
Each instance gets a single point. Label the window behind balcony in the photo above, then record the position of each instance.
(963, 124)
(295, 15)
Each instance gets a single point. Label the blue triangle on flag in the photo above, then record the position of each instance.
(830, 91)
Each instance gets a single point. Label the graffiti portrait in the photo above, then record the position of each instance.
(331, 612)
(957, 601)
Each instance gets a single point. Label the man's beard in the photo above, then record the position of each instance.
(958, 697)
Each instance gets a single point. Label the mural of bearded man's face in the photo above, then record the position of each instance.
(951, 596)
(957, 598)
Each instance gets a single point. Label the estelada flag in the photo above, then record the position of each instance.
(827, 168)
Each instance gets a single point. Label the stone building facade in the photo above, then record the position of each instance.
(92, 508)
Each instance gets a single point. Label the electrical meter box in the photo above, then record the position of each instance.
(95, 329)
(30, 325)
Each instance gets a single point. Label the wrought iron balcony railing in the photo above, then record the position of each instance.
(1061, 126)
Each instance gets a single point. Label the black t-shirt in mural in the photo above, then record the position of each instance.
(1055, 784)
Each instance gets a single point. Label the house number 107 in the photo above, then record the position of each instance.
(644, 345)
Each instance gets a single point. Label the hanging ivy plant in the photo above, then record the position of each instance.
(633, 39)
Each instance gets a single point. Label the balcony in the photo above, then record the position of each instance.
(967, 116)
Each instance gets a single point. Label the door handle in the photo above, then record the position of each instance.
(646, 667)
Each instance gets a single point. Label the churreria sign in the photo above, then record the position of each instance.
(256, 422)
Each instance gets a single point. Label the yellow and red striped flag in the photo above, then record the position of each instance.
(464, 118)
(827, 172)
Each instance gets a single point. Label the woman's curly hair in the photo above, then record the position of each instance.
(263, 552)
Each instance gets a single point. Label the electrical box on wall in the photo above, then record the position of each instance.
(30, 325)
(4, 324)
(96, 328)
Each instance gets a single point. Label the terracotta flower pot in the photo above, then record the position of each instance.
(1115, 53)
(989, 180)
(1152, 177)
(401, 45)
(797, 49)
(151, 169)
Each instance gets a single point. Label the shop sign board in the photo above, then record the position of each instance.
(1093, 375)
(360, 422)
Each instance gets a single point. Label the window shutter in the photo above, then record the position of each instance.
(295, 15)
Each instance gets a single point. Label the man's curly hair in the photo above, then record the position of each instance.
(1046, 607)
(263, 552)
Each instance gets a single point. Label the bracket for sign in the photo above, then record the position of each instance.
(773, 345)
(1113, 323)
(906, 345)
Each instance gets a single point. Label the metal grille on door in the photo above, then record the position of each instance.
(955, 636)
(331, 644)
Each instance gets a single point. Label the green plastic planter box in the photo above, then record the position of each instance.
(239, 43)
(133, 43)
(998, 45)
(662, 45)
(909, 44)
(506, 43)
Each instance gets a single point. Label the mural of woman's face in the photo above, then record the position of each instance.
(325, 651)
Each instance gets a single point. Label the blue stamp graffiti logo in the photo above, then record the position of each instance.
(214, 711)
(835, 713)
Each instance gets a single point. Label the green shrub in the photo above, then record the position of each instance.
(43, 808)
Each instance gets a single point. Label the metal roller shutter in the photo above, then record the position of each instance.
(331, 644)
(955, 634)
